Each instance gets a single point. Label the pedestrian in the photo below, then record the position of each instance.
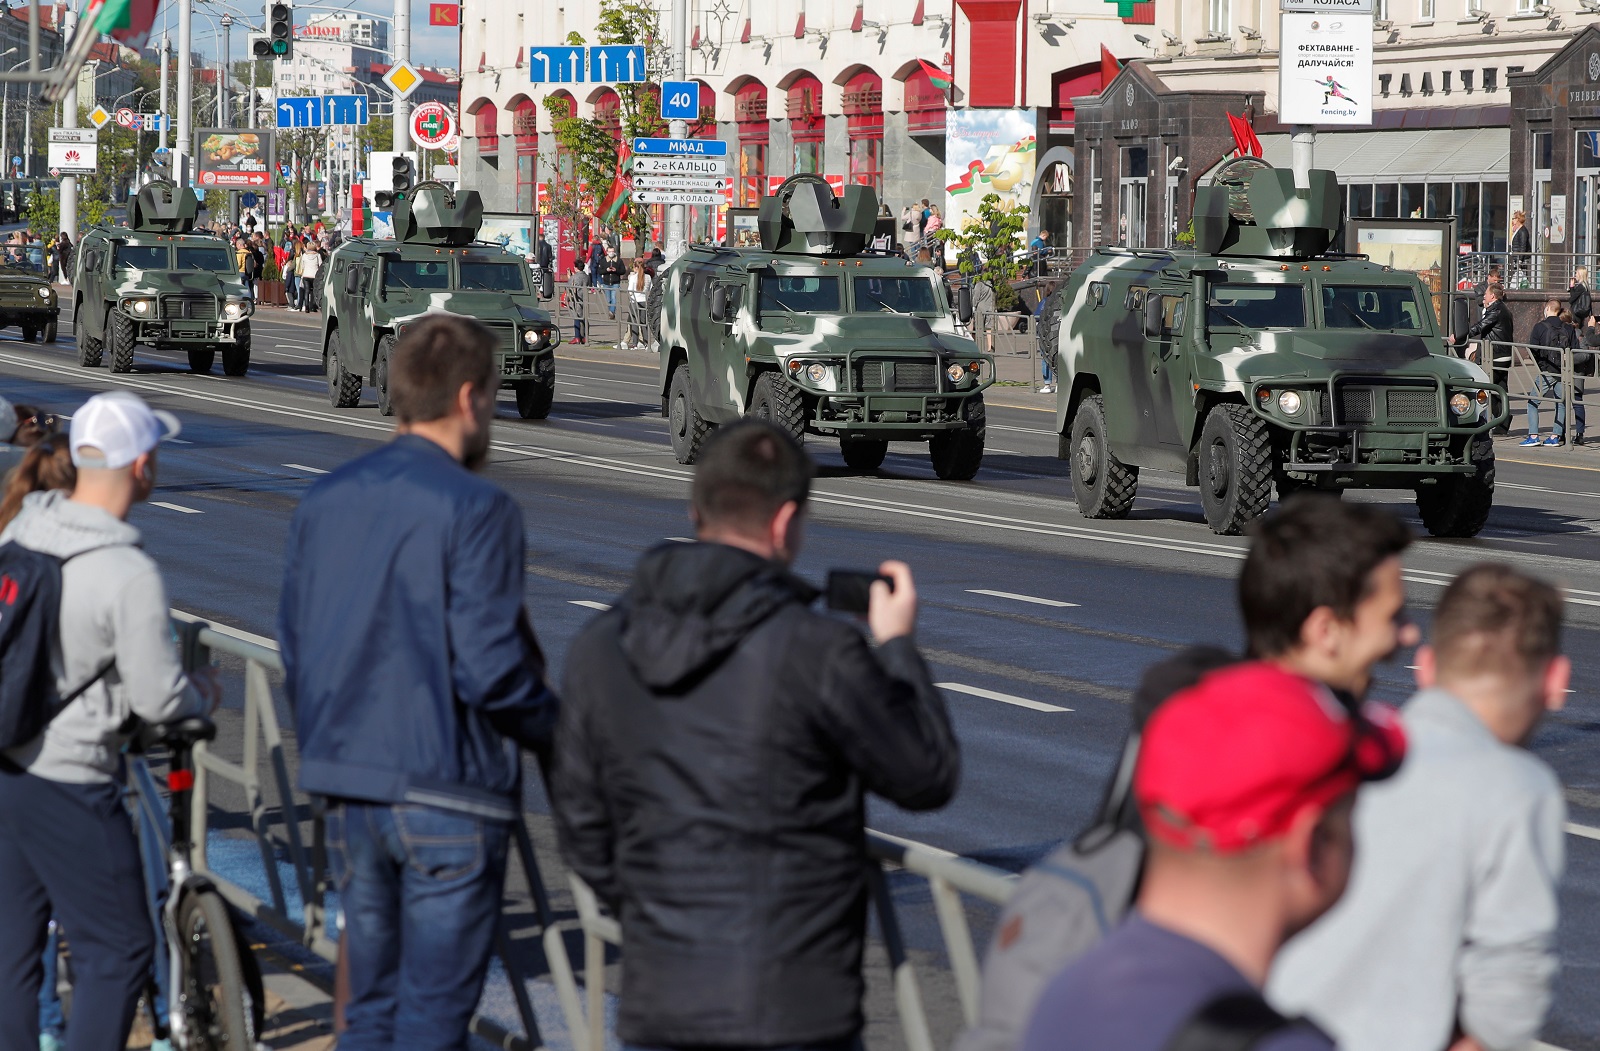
(1446, 937)
(611, 272)
(413, 674)
(1521, 250)
(66, 842)
(1497, 326)
(64, 257)
(596, 262)
(46, 465)
(1321, 594)
(1550, 340)
(638, 297)
(934, 223)
(910, 227)
(291, 273)
(1046, 373)
(310, 274)
(36, 252)
(246, 261)
(717, 740)
(1039, 252)
(1245, 784)
(1579, 301)
(613, 239)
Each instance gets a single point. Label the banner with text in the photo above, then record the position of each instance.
(1325, 69)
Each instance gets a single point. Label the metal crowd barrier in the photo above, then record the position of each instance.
(273, 809)
(1534, 271)
(1522, 380)
(589, 313)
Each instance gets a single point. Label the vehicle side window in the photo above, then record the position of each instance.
(1097, 293)
(1134, 300)
(365, 279)
(1173, 311)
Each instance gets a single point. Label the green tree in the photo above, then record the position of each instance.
(986, 247)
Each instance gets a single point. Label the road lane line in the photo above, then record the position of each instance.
(176, 507)
(681, 539)
(1004, 698)
(1023, 598)
(1574, 829)
(303, 467)
(589, 604)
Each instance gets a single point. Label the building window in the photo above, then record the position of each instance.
(1220, 20)
(804, 109)
(1425, 10)
(486, 129)
(525, 131)
(750, 114)
(925, 105)
(863, 109)
(1525, 7)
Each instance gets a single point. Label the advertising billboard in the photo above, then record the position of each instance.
(234, 159)
(987, 151)
(1325, 69)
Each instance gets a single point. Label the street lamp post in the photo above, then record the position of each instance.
(5, 115)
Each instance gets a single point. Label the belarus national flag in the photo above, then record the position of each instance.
(127, 21)
(444, 14)
(936, 76)
(615, 203)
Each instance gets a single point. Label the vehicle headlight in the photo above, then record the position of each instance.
(534, 338)
(141, 307)
(1289, 403)
(956, 372)
(816, 372)
(1460, 404)
(45, 291)
(233, 310)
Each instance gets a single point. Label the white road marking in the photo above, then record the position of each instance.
(589, 603)
(1004, 698)
(589, 423)
(176, 507)
(1021, 430)
(1582, 830)
(303, 467)
(681, 539)
(174, 441)
(1437, 579)
(1022, 598)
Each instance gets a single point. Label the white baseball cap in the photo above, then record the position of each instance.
(121, 427)
(8, 418)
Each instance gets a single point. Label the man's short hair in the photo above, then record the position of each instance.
(745, 473)
(433, 359)
(1492, 291)
(1314, 550)
(1552, 307)
(1494, 618)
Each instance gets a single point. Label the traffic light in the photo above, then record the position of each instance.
(404, 172)
(393, 176)
(279, 39)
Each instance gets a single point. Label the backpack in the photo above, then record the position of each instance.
(1582, 303)
(30, 630)
(1232, 1022)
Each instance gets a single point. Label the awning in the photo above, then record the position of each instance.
(1409, 155)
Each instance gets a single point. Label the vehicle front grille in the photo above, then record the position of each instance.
(505, 339)
(189, 308)
(897, 375)
(1355, 405)
(1411, 405)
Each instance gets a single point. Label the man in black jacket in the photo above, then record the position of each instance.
(712, 758)
(1549, 338)
(1496, 326)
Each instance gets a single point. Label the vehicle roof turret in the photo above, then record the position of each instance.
(1254, 209)
(163, 208)
(805, 218)
(436, 215)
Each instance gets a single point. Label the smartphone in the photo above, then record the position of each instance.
(850, 590)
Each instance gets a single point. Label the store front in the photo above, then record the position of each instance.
(1555, 159)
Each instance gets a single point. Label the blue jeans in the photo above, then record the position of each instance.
(52, 1022)
(421, 894)
(1550, 386)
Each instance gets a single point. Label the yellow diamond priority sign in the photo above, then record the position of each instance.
(404, 78)
(99, 116)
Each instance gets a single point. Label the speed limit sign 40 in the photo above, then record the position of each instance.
(432, 125)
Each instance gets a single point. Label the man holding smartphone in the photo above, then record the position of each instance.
(714, 747)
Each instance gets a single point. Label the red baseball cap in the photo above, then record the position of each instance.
(1230, 762)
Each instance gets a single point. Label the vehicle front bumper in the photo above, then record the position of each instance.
(907, 414)
(28, 314)
(529, 366)
(176, 332)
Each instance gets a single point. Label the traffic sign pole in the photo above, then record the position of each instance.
(402, 53)
(677, 234)
(69, 119)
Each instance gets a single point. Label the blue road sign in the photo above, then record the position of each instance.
(345, 109)
(681, 147)
(248, 200)
(304, 112)
(617, 63)
(283, 170)
(680, 100)
(557, 65)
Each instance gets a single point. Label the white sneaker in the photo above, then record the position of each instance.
(1048, 388)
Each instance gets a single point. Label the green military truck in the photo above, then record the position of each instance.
(28, 300)
(373, 288)
(820, 336)
(1260, 360)
(158, 282)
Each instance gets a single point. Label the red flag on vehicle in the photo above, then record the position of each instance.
(444, 14)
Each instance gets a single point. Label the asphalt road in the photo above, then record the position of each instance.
(1039, 621)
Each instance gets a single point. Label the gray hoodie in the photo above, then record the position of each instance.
(113, 604)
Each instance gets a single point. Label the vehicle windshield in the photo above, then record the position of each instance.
(405, 273)
(208, 258)
(899, 295)
(1256, 306)
(494, 277)
(785, 293)
(1388, 308)
(140, 257)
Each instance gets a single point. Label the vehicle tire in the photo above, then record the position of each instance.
(653, 305)
(1103, 485)
(344, 390)
(201, 359)
(863, 454)
(380, 374)
(1049, 332)
(1235, 469)
(1459, 505)
(534, 399)
(50, 332)
(89, 351)
(778, 401)
(227, 1011)
(956, 455)
(684, 423)
(236, 359)
(119, 342)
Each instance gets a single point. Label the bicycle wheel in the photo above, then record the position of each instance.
(222, 1007)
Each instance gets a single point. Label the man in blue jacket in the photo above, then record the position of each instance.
(414, 675)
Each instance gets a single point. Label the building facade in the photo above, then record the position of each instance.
(331, 51)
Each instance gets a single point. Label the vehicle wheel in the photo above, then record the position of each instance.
(119, 342)
(89, 352)
(50, 332)
(688, 430)
(778, 401)
(201, 360)
(226, 1010)
(1103, 485)
(344, 390)
(534, 399)
(380, 375)
(652, 314)
(956, 455)
(1458, 505)
(863, 454)
(236, 359)
(1235, 469)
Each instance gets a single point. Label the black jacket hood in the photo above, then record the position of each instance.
(691, 604)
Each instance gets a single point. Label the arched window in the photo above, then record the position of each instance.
(805, 122)
(486, 129)
(750, 114)
(863, 110)
(608, 112)
(525, 130)
(925, 105)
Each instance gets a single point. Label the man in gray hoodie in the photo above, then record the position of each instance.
(1445, 938)
(66, 841)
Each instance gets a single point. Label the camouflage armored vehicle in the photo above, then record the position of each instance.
(27, 300)
(818, 335)
(1261, 360)
(156, 282)
(373, 288)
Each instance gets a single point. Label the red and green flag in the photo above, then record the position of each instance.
(126, 21)
(615, 204)
(938, 77)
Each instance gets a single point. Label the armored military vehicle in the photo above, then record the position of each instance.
(373, 288)
(27, 299)
(818, 335)
(156, 281)
(1262, 360)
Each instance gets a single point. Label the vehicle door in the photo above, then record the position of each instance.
(89, 318)
(713, 395)
(1150, 425)
(1168, 372)
(359, 313)
(724, 296)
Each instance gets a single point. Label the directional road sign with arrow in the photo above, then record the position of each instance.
(302, 112)
(617, 63)
(558, 64)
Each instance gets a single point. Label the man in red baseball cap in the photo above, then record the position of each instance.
(1245, 782)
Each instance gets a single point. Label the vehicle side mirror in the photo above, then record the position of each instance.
(547, 284)
(719, 304)
(964, 304)
(1154, 319)
(1460, 317)
(352, 281)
